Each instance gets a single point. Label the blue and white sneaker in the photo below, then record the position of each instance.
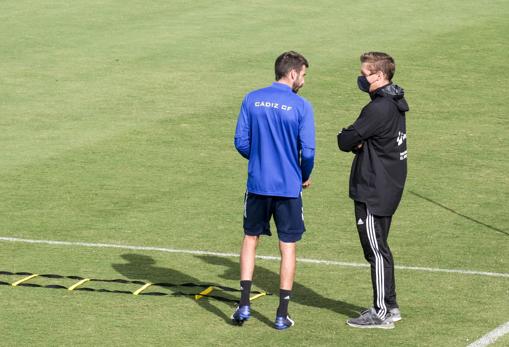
(283, 323)
(241, 314)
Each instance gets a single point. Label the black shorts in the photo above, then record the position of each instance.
(288, 215)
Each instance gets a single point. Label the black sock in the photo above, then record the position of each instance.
(284, 299)
(245, 287)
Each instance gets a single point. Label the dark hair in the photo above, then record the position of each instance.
(380, 61)
(287, 62)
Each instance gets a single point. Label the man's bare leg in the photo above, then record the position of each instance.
(287, 275)
(247, 265)
(247, 257)
(288, 264)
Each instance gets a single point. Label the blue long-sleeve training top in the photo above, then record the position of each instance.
(276, 133)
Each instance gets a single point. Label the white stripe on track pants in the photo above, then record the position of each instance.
(373, 233)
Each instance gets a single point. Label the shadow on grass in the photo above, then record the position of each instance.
(269, 281)
(459, 214)
(142, 267)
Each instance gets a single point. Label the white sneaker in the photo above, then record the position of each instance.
(394, 314)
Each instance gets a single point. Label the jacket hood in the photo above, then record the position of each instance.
(396, 93)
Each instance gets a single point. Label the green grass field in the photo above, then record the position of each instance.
(117, 122)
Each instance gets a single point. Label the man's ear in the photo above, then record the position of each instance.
(293, 74)
(383, 76)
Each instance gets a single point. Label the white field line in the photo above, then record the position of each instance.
(265, 257)
(492, 336)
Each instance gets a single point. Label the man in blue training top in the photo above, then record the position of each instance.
(276, 133)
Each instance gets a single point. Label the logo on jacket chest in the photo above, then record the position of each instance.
(401, 137)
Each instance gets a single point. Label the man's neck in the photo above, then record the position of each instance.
(286, 81)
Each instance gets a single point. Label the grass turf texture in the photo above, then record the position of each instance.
(117, 124)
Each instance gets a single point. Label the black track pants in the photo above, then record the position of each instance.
(373, 233)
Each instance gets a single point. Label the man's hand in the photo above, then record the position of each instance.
(306, 184)
(358, 148)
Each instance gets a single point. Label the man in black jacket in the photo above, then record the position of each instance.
(379, 169)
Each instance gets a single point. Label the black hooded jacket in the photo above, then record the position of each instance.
(379, 168)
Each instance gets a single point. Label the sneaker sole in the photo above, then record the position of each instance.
(238, 322)
(283, 327)
(384, 326)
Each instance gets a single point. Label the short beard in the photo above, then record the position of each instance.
(296, 86)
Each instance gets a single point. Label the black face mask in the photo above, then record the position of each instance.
(363, 83)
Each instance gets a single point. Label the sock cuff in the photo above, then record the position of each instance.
(285, 292)
(246, 284)
(245, 287)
